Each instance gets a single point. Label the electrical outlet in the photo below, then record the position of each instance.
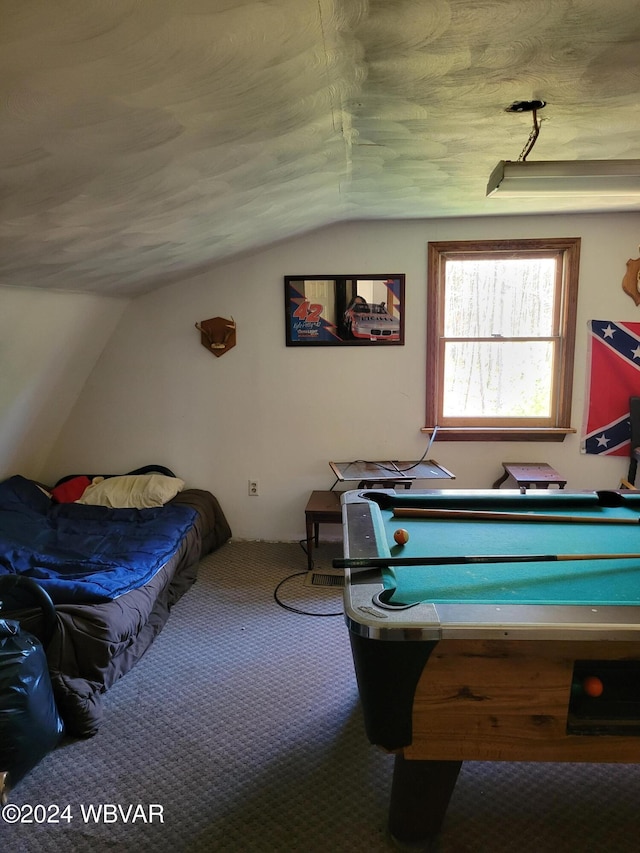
(254, 490)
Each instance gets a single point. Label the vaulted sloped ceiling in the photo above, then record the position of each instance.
(142, 140)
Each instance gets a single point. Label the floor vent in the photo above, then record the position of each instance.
(324, 579)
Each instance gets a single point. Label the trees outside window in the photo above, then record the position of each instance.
(500, 338)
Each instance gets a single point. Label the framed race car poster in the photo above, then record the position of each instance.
(346, 310)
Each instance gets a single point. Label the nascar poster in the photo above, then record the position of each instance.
(345, 310)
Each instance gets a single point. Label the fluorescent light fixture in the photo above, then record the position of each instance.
(523, 179)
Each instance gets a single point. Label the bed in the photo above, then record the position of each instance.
(113, 571)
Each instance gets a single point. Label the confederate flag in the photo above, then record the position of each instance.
(613, 376)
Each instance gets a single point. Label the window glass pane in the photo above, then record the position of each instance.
(509, 379)
(507, 297)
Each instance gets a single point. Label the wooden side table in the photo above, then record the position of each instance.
(322, 508)
(531, 474)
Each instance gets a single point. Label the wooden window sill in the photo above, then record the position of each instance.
(500, 433)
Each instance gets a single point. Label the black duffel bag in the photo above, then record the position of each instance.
(30, 725)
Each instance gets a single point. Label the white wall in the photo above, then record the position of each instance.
(49, 344)
(279, 414)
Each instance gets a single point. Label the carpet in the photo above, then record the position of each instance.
(242, 727)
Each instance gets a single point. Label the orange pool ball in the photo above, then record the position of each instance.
(401, 536)
(592, 686)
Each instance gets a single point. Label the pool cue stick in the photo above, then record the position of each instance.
(490, 515)
(386, 562)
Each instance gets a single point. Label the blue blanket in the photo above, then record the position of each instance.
(85, 553)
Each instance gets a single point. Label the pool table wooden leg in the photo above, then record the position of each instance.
(420, 794)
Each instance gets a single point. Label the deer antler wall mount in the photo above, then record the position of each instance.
(631, 280)
(218, 335)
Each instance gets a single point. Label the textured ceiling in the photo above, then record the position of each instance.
(141, 140)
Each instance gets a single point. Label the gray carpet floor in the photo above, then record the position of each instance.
(242, 725)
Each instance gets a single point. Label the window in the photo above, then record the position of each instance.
(500, 338)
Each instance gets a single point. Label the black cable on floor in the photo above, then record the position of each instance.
(290, 607)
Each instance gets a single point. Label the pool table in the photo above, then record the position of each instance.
(460, 656)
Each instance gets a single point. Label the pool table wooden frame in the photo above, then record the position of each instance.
(441, 684)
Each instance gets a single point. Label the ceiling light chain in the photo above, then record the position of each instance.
(533, 136)
(526, 107)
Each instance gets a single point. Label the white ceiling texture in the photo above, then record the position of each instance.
(143, 140)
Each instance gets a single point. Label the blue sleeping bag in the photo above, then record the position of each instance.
(85, 554)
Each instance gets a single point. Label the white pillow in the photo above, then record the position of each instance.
(138, 491)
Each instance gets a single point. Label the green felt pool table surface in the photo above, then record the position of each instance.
(370, 524)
